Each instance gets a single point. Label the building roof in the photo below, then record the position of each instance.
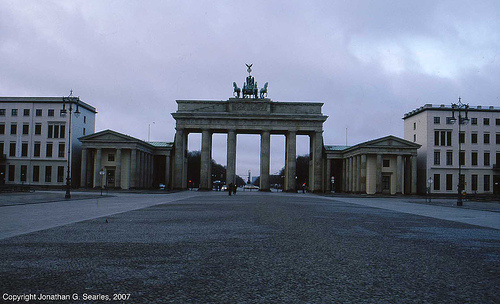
(45, 100)
(161, 144)
(335, 148)
(443, 107)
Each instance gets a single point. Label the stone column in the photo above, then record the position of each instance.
(97, 168)
(133, 168)
(148, 170)
(344, 175)
(328, 175)
(378, 181)
(179, 156)
(291, 155)
(118, 172)
(413, 174)
(363, 173)
(140, 168)
(265, 158)
(399, 175)
(83, 173)
(355, 174)
(205, 172)
(167, 172)
(315, 172)
(231, 157)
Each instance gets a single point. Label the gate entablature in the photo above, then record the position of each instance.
(249, 116)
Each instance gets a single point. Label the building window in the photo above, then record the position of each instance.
(1, 148)
(13, 129)
(84, 131)
(497, 121)
(61, 150)
(50, 112)
(486, 183)
(26, 129)
(2, 128)
(56, 131)
(461, 137)
(449, 158)
(14, 112)
(2, 112)
(38, 112)
(26, 112)
(24, 149)
(111, 157)
(48, 150)
(60, 174)
(36, 150)
(437, 182)
(449, 182)
(12, 151)
(442, 138)
(486, 121)
(36, 173)
(414, 137)
(497, 138)
(486, 158)
(449, 121)
(38, 129)
(486, 138)
(386, 163)
(24, 171)
(473, 121)
(437, 158)
(12, 172)
(48, 174)
(474, 158)
(473, 138)
(414, 126)
(461, 158)
(437, 120)
(474, 182)
(84, 119)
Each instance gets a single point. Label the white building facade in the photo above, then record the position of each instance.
(34, 140)
(439, 156)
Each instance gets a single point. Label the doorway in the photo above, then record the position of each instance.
(110, 178)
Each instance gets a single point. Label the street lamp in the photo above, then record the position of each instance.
(101, 173)
(459, 108)
(70, 99)
(429, 187)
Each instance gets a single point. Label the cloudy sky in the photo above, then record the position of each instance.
(368, 61)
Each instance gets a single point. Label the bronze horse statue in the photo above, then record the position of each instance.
(263, 91)
(237, 90)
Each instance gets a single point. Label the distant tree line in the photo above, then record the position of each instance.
(301, 171)
(219, 171)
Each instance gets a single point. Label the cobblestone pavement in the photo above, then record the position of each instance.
(258, 248)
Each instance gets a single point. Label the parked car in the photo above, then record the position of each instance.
(251, 187)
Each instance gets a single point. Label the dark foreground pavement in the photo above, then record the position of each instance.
(258, 248)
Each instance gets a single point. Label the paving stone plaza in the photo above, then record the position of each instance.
(252, 247)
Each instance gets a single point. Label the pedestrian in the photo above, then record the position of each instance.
(230, 188)
(234, 189)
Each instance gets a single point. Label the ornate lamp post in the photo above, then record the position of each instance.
(70, 99)
(460, 108)
(430, 181)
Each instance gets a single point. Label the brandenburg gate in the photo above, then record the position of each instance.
(249, 114)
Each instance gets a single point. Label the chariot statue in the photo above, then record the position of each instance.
(250, 88)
